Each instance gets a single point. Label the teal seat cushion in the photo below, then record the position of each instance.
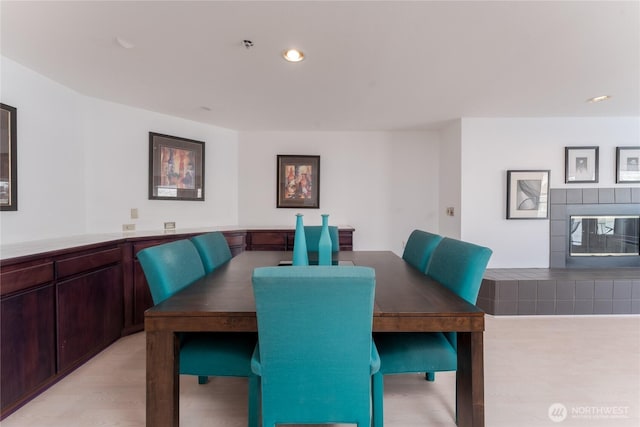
(217, 354)
(415, 352)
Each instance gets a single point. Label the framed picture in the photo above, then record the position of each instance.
(176, 168)
(298, 181)
(8, 158)
(627, 165)
(528, 194)
(581, 164)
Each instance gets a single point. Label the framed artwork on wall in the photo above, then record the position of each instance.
(298, 181)
(627, 164)
(176, 168)
(581, 164)
(528, 194)
(8, 158)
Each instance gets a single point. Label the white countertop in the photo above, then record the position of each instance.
(15, 250)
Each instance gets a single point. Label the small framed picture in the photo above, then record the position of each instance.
(298, 181)
(8, 158)
(176, 168)
(528, 194)
(627, 167)
(581, 164)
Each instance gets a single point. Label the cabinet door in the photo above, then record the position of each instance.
(90, 314)
(27, 343)
(141, 294)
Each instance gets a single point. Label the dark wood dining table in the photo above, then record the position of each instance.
(405, 301)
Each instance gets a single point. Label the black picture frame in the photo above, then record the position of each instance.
(528, 194)
(581, 165)
(8, 158)
(176, 168)
(298, 181)
(627, 164)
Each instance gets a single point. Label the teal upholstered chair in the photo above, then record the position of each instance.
(171, 267)
(419, 247)
(312, 234)
(213, 249)
(459, 266)
(315, 355)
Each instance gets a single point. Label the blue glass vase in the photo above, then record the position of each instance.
(300, 255)
(324, 245)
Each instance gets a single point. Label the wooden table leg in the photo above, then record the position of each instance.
(163, 386)
(470, 380)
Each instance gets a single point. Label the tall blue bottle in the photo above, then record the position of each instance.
(300, 256)
(324, 245)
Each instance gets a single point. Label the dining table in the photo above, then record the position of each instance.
(406, 300)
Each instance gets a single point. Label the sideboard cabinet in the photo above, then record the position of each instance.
(57, 311)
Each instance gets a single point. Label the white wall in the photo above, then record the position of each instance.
(450, 179)
(490, 147)
(51, 197)
(383, 184)
(117, 144)
(83, 164)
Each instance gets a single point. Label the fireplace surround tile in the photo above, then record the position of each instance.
(635, 195)
(622, 289)
(583, 306)
(558, 196)
(564, 307)
(621, 307)
(602, 306)
(606, 195)
(574, 196)
(584, 289)
(623, 195)
(603, 289)
(590, 195)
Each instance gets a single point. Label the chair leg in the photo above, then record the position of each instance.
(253, 400)
(378, 400)
(202, 379)
(430, 376)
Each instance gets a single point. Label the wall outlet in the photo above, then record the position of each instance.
(134, 213)
(170, 225)
(450, 211)
(128, 227)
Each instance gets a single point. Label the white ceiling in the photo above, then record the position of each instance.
(370, 65)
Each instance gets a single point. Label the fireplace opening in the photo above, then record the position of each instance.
(604, 235)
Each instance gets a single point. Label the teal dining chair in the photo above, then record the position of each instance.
(312, 234)
(213, 249)
(458, 266)
(173, 266)
(419, 247)
(315, 355)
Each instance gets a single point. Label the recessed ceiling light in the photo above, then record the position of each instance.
(126, 44)
(598, 99)
(293, 55)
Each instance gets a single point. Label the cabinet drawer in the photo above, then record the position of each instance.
(75, 265)
(26, 277)
(268, 238)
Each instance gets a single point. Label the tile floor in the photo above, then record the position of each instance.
(589, 364)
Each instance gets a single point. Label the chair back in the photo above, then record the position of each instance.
(213, 249)
(315, 345)
(419, 248)
(459, 266)
(312, 234)
(170, 267)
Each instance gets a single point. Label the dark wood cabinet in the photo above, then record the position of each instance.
(282, 239)
(90, 315)
(57, 311)
(28, 344)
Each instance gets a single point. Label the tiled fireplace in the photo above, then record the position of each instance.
(594, 260)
